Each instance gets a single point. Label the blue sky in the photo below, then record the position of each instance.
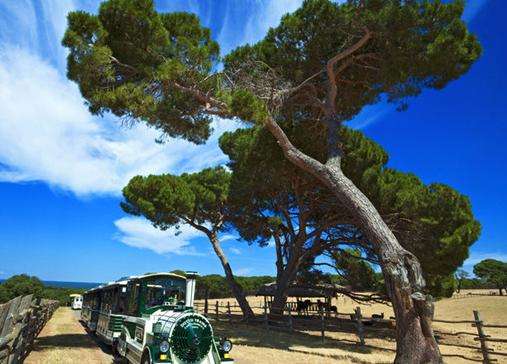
(61, 169)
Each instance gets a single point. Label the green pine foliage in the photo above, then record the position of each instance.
(168, 200)
(494, 272)
(433, 221)
(127, 58)
(414, 45)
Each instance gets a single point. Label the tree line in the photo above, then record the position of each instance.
(23, 284)
(490, 273)
(297, 178)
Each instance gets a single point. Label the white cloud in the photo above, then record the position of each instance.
(269, 15)
(370, 115)
(228, 237)
(46, 131)
(47, 134)
(243, 271)
(472, 8)
(235, 251)
(140, 233)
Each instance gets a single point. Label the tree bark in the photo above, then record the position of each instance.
(401, 269)
(236, 288)
(283, 281)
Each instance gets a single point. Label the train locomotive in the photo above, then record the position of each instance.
(157, 322)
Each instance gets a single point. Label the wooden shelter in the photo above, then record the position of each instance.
(323, 291)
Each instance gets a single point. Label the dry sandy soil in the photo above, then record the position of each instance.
(64, 340)
(256, 345)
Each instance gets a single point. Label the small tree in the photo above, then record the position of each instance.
(461, 275)
(494, 272)
(20, 285)
(198, 200)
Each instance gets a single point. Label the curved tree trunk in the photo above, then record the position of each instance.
(401, 269)
(402, 274)
(236, 288)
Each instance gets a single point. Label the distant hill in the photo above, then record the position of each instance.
(61, 284)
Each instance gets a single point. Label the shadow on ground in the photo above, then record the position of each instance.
(64, 341)
(256, 335)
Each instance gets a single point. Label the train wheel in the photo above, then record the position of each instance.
(146, 359)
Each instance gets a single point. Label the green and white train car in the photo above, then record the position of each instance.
(112, 311)
(90, 310)
(161, 325)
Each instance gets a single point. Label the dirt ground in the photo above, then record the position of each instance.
(64, 340)
(256, 345)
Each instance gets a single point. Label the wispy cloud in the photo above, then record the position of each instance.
(243, 271)
(267, 15)
(235, 251)
(46, 131)
(472, 8)
(140, 233)
(47, 134)
(370, 115)
(228, 237)
(477, 257)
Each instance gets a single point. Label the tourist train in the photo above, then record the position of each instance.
(151, 319)
(76, 301)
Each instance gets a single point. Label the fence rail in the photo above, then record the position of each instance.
(323, 323)
(21, 320)
(473, 294)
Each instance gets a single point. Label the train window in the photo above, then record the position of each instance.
(133, 305)
(164, 291)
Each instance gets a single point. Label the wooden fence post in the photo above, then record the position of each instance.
(291, 324)
(360, 328)
(265, 315)
(322, 326)
(206, 294)
(216, 310)
(482, 338)
(229, 314)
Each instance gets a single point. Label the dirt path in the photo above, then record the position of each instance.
(64, 340)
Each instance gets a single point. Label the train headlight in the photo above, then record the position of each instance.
(226, 345)
(157, 327)
(164, 347)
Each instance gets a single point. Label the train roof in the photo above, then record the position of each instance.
(124, 281)
(115, 284)
(161, 274)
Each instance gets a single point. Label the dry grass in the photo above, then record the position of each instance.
(256, 345)
(63, 340)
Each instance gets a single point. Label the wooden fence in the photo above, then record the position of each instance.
(319, 320)
(21, 320)
(481, 336)
(476, 294)
(325, 321)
